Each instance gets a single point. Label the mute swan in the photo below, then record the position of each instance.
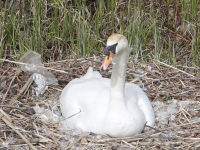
(100, 105)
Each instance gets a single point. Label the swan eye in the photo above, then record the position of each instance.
(110, 48)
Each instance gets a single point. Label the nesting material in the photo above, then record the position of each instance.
(37, 121)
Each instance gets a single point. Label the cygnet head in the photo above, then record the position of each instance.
(116, 44)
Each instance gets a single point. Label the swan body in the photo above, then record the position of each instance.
(107, 106)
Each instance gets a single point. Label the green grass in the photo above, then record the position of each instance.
(60, 29)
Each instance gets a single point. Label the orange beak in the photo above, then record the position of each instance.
(107, 61)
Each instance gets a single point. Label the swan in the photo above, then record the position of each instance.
(95, 104)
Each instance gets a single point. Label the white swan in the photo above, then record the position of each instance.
(100, 105)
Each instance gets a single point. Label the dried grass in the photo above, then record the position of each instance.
(22, 128)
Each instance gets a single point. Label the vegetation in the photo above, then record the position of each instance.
(167, 30)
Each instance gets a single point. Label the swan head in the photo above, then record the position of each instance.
(116, 44)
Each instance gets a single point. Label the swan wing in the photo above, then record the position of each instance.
(84, 101)
(135, 95)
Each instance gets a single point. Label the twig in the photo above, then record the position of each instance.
(68, 60)
(170, 78)
(183, 111)
(133, 138)
(20, 63)
(176, 34)
(139, 76)
(3, 114)
(16, 74)
(182, 125)
(72, 115)
(11, 125)
(35, 141)
(22, 90)
(128, 144)
(55, 88)
(42, 137)
(74, 143)
(175, 68)
(155, 129)
(4, 79)
(141, 137)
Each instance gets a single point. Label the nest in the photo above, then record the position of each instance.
(30, 121)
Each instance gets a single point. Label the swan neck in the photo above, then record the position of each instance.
(118, 78)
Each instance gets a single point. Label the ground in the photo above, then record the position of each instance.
(30, 121)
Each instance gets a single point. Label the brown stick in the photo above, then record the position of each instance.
(11, 125)
(74, 143)
(34, 141)
(16, 74)
(14, 99)
(175, 69)
(20, 63)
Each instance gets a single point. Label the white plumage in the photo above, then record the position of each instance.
(107, 106)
